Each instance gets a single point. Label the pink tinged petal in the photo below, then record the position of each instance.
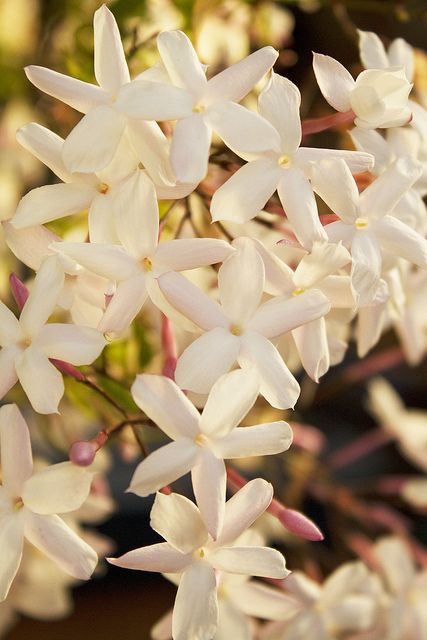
(385, 192)
(356, 161)
(253, 561)
(136, 215)
(372, 52)
(59, 488)
(366, 266)
(235, 82)
(206, 359)
(191, 301)
(92, 143)
(111, 70)
(54, 538)
(8, 376)
(162, 558)
(125, 305)
(195, 613)
(277, 384)
(259, 440)
(297, 198)
(31, 245)
(164, 402)
(9, 326)
(36, 374)
(245, 194)
(241, 283)
(230, 399)
(52, 202)
(43, 298)
(102, 229)
(312, 344)
(280, 103)
(334, 81)
(146, 100)
(163, 466)
(248, 504)
(340, 194)
(399, 239)
(46, 146)
(109, 261)
(190, 253)
(182, 64)
(178, 521)
(209, 481)
(82, 96)
(190, 149)
(11, 541)
(242, 130)
(71, 343)
(283, 314)
(16, 456)
(152, 148)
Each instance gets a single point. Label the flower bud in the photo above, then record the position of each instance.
(82, 453)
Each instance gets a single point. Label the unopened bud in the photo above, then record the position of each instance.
(298, 524)
(82, 453)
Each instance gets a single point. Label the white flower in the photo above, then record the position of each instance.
(190, 550)
(202, 442)
(378, 97)
(30, 501)
(374, 55)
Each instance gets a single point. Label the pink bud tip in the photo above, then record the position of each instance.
(19, 290)
(300, 525)
(82, 453)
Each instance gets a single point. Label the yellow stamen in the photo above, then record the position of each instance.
(236, 330)
(298, 291)
(198, 108)
(103, 188)
(18, 504)
(201, 440)
(284, 161)
(147, 264)
(361, 223)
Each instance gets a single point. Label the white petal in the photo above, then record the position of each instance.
(370, 325)
(182, 64)
(16, 456)
(230, 399)
(8, 376)
(9, 326)
(43, 297)
(259, 440)
(338, 291)
(54, 538)
(241, 283)
(297, 198)
(11, 541)
(373, 142)
(357, 161)
(44, 145)
(190, 253)
(254, 561)
(279, 103)
(278, 385)
(325, 259)
(30, 245)
(244, 508)
(101, 219)
(372, 52)
(195, 613)
(93, 142)
(152, 148)
(124, 306)
(79, 95)
(340, 194)
(340, 232)
(260, 600)
(244, 195)
(366, 266)
(71, 343)
(401, 240)
(111, 70)
(109, 261)
(357, 612)
(156, 557)
(235, 82)
(36, 374)
(396, 563)
(142, 99)
(242, 130)
(163, 466)
(178, 521)
(400, 53)
(58, 488)
(334, 81)
(164, 402)
(190, 149)
(209, 481)
(206, 359)
(162, 630)
(312, 344)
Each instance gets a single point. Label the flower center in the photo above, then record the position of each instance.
(103, 188)
(236, 330)
(284, 161)
(361, 223)
(147, 264)
(201, 440)
(18, 503)
(298, 291)
(199, 108)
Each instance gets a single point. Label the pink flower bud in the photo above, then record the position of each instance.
(82, 453)
(297, 523)
(19, 290)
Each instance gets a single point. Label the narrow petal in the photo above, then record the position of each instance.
(163, 466)
(313, 349)
(235, 82)
(338, 291)
(102, 229)
(366, 266)
(164, 402)
(190, 253)
(357, 161)
(146, 100)
(400, 53)
(30, 245)
(59, 488)
(279, 103)
(245, 194)
(399, 239)
(340, 194)
(373, 142)
(43, 297)
(53, 537)
(340, 232)
(190, 149)
(372, 52)
(9, 376)
(156, 557)
(195, 613)
(259, 440)
(209, 481)
(109, 261)
(125, 305)
(230, 399)
(16, 456)
(9, 326)
(370, 325)
(11, 541)
(334, 81)
(261, 600)
(36, 374)
(248, 504)
(278, 385)
(111, 70)
(253, 561)
(325, 259)
(44, 145)
(297, 198)
(182, 64)
(178, 521)
(152, 148)
(82, 96)
(92, 143)
(71, 343)
(397, 564)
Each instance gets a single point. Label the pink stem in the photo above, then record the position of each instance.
(169, 348)
(386, 359)
(359, 448)
(315, 125)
